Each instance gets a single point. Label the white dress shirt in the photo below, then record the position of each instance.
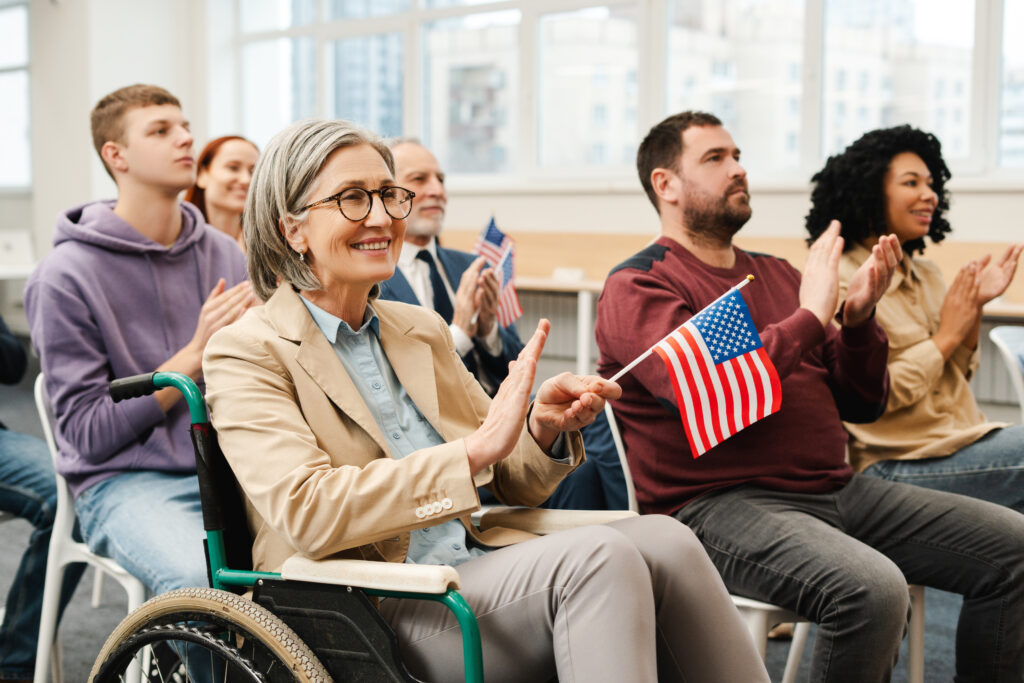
(417, 273)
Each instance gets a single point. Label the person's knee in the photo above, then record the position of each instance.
(603, 551)
(661, 536)
(879, 598)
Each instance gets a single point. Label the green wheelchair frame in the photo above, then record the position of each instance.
(217, 517)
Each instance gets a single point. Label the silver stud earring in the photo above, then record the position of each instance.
(302, 256)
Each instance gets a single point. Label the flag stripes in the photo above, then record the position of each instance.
(721, 375)
(497, 249)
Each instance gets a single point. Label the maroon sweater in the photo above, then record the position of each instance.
(827, 376)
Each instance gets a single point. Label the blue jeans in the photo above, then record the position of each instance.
(991, 468)
(151, 523)
(843, 560)
(28, 490)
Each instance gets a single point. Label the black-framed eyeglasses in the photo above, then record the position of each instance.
(355, 203)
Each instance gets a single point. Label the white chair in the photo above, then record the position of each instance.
(1009, 339)
(64, 550)
(760, 617)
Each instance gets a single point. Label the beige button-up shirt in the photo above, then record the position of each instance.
(931, 411)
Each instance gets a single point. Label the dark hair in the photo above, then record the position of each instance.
(107, 117)
(663, 145)
(195, 194)
(851, 186)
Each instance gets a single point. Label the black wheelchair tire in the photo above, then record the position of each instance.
(258, 647)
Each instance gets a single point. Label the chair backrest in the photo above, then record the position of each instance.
(48, 422)
(223, 507)
(620, 447)
(1009, 339)
(45, 410)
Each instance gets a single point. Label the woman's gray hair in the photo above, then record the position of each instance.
(280, 185)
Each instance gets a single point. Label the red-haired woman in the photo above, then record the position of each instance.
(222, 183)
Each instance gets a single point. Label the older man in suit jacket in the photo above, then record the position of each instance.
(455, 285)
(452, 282)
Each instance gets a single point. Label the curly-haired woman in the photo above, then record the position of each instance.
(893, 181)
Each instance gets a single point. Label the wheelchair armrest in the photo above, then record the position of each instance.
(542, 521)
(391, 576)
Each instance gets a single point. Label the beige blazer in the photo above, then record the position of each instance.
(313, 465)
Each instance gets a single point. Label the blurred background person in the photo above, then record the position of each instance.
(223, 172)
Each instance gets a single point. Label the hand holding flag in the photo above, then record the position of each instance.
(496, 247)
(722, 376)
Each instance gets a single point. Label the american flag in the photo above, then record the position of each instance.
(496, 248)
(721, 374)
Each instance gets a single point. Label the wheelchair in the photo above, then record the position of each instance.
(314, 622)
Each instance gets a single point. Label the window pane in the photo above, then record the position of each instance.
(431, 4)
(470, 89)
(15, 169)
(365, 81)
(273, 15)
(357, 9)
(588, 87)
(892, 63)
(278, 85)
(13, 36)
(1011, 138)
(741, 60)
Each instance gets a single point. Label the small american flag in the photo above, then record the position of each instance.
(496, 248)
(509, 309)
(721, 374)
(491, 243)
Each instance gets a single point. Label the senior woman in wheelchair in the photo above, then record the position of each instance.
(354, 430)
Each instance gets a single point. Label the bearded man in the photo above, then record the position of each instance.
(777, 507)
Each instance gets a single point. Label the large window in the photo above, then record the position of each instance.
(470, 90)
(15, 163)
(888, 63)
(587, 88)
(540, 91)
(743, 61)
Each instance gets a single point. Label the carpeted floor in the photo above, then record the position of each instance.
(85, 628)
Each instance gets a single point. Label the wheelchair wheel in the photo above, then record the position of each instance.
(223, 637)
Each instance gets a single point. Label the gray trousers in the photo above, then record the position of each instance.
(843, 560)
(637, 600)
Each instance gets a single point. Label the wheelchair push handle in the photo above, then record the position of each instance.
(132, 387)
(144, 385)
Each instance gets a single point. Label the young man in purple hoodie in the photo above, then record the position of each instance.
(134, 285)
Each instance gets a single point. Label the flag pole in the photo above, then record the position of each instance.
(649, 351)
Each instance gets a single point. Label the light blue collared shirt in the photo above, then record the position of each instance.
(402, 423)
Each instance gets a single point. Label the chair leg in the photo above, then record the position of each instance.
(136, 596)
(757, 624)
(57, 662)
(48, 620)
(915, 637)
(796, 651)
(97, 587)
